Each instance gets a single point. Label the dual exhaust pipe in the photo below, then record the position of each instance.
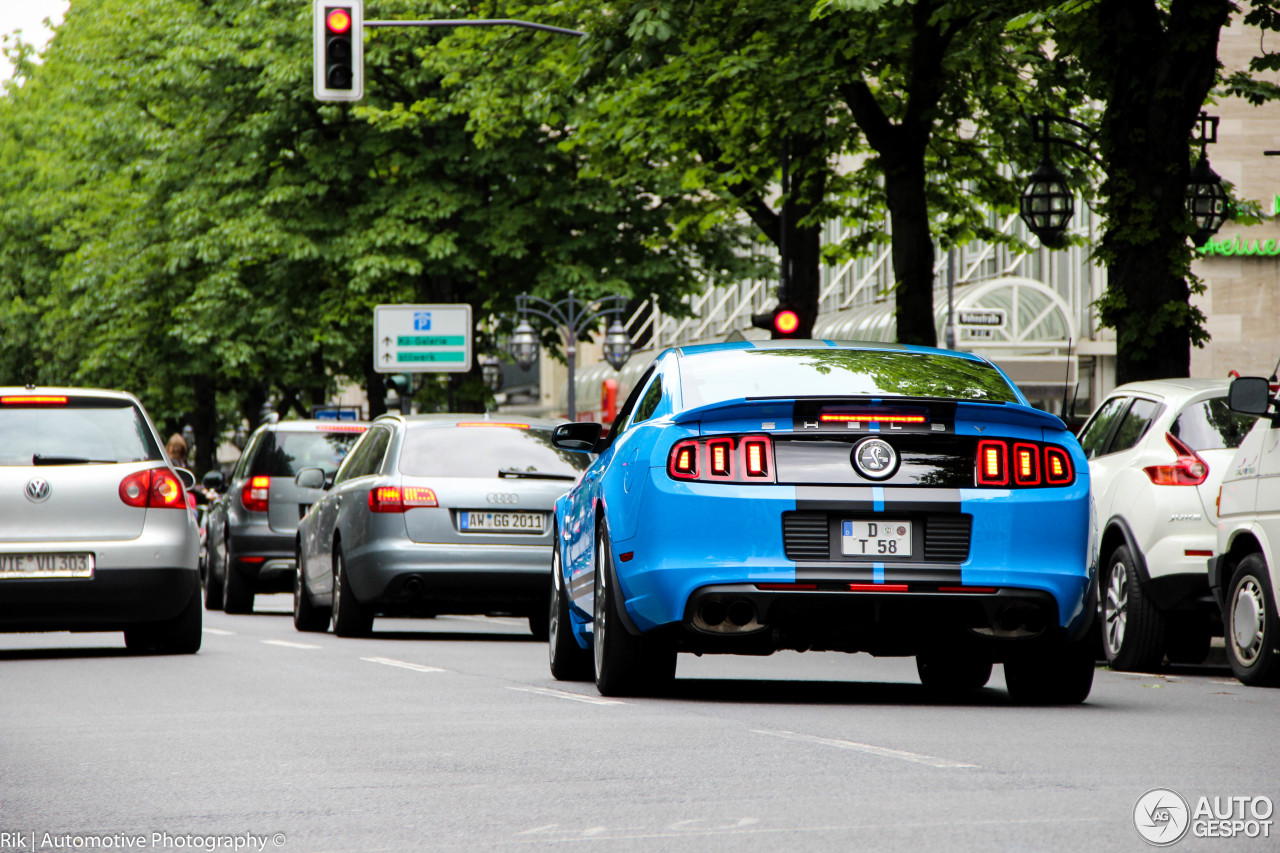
(727, 615)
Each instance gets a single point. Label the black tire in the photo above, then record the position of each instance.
(626, 665)
(1252, 631)
(180, 635)
(1188, 637)
(540, 623)
(213, 580)
(1053, 673)
(953, 671)
(1133, 630)
(237, 595)
(569, 661)
(350, 618)
(306, 616)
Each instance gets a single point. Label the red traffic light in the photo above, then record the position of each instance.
(786, 322)
(338, 20)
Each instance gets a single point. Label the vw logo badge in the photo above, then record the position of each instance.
(38, 489)
(875, 458)
(502, 498)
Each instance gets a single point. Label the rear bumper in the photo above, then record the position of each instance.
(109, 601)
(407, 577)
(266, 558)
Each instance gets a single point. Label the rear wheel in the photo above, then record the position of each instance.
(306, 616)
(626, 665)
(1252, 631)
(177, 636)
(1057, 673)
(569, 661)
(952, 671)
(350, 617)
(237, 595)
(1133, 633)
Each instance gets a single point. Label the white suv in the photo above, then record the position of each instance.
(1157, 451)
(1243, 574)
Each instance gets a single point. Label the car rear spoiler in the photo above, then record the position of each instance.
(783, 408)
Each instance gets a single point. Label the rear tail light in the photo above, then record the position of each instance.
(1023, 464)
(255, 494)
(153, 488)
(1188, 470)
(400, 499)
(723, 459)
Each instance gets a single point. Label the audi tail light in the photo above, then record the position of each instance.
(1187, 470)
(401, 498)
(153, 488)
(255, 495)
(1023, 464)
(723, 459)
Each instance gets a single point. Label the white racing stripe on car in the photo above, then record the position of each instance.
(869, 749)
(404, 664)
(288, 645)
(562, 694)
(218, 632)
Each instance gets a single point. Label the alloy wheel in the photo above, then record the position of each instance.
(1115, 610)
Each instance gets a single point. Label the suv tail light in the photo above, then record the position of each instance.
(256, 492)
(1023, 464)
(723, 459)
(397, 499)
(1188, 470)
(153, 488)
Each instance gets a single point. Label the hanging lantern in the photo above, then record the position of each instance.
(524, 345)
(617, 345)
(1048, 204)
(1206, 202)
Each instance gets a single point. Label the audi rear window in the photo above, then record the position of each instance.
(713, 377)
(285, 453)
(462, 451)
(79, 430)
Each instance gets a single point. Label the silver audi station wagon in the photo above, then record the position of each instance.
(95, 529)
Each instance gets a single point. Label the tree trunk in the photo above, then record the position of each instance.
(904, 185)
(205, 417)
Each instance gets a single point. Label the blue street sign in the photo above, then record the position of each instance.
(422, 321)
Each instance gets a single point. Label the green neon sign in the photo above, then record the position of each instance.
(1267, 248)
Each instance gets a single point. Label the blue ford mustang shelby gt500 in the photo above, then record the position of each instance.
(812, 495)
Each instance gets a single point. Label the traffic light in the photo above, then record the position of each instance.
(781, 322)
(338, 49)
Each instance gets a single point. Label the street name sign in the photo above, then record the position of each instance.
(422, 338)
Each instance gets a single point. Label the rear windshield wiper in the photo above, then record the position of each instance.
(533, 475)
(68, 460)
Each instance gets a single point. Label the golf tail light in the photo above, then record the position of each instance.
(723, 459)
(255, 494)
(153, 488)
(1188, 470)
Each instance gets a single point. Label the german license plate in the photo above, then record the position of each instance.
(875, 539)
(46, 566)
(501, 522)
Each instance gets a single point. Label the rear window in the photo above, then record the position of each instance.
(712, 377)
(284, 454)
(83, 429)
(450, 451)
(1210, 425)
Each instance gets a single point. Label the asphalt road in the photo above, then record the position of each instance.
(449, 734)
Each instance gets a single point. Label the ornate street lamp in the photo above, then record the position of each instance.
(1206, 197)
(1047, 204)
(491, 372)
(572, 318)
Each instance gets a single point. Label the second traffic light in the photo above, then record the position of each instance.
(338, 49)
(781, 322)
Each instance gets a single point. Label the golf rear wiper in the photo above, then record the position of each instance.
(68, 460)
(533, 475)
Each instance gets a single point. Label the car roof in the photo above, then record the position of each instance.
(1177, 387)
(453, 418)
(803, 344)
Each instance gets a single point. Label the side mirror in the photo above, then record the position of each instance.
(1249, 395)
(187, 479)
(213, 481)
(578, 437)
(311, 478)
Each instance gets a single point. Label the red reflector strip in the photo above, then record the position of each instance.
(34, 400)
(871, 417)
(878, 587)
(251, 559)
(626, 558)
(340, 428)
(785, 587)
(983, 590)
(1194, 553)
(490, 424)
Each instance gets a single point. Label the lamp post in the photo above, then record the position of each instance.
(571, 317)
(1206, 199)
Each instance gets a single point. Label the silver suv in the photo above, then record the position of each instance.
(96, 533)
(251, 528)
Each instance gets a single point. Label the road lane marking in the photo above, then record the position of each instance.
(288, 645)
(404, 664)
(869, 749)
(218, 632)
(562, 694)
(503, 620)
